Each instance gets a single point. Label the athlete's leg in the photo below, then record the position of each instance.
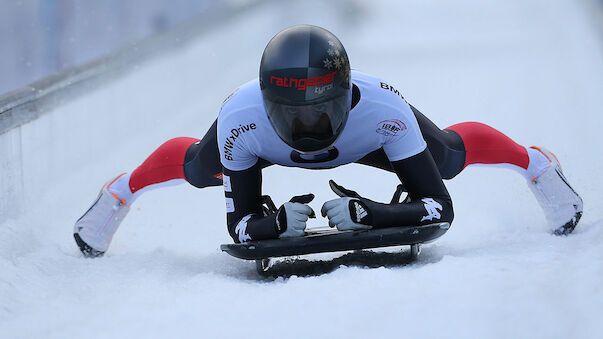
(562, 206)
(176, 161)
(464, 144)
(468, 143)
(487, 146)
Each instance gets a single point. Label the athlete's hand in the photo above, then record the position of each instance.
(292, 216)
(347, 212)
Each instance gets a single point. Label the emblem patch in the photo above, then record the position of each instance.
(432, 207)
(390, 127)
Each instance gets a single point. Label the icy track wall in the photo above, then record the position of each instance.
(79, 119)
(47, 131)
(39, 38)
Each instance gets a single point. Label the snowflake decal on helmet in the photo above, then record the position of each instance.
(337, 63)
(328, 63)
(331, 52)
(331, 43)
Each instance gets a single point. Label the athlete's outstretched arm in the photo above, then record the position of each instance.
(247, 219)
(244, 214)
(429, 200)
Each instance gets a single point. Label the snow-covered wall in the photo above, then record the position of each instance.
(36, 119)
(42, 37)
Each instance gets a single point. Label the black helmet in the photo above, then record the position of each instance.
(305, 82)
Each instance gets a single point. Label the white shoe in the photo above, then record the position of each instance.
(562, 206)
(94, 230)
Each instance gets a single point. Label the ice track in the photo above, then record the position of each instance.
(532, 69)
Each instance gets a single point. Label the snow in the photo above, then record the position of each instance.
(531, 69)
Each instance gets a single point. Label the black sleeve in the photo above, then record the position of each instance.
(429, 198)
(245, 216)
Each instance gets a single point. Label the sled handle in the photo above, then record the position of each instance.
(397, 194)
(268, 205)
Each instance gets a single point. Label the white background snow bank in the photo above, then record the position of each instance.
(531, 69)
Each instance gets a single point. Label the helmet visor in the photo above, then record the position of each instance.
(309, 128)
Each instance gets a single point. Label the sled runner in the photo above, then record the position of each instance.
(329, 240)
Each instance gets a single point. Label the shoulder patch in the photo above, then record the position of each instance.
(390, 127)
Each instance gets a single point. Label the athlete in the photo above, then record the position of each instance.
(309, 110)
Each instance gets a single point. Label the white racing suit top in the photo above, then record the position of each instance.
(380, 119)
